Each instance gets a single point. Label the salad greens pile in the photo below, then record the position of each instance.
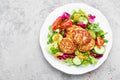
(57, 31)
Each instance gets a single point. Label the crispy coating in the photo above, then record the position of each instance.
(87, 47)
(82, 37)
(73, 28)
(76, 38)
(70, 35)
(78, 35)
(71, 31)
(67, 46)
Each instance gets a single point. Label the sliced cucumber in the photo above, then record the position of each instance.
(99, 50)
(76, 61)
(93, 35)
(57, 37)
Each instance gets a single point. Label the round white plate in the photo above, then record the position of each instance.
(69, 8)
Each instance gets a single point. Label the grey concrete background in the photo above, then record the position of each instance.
(20, 54)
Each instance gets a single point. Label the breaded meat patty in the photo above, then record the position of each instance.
(71, 31)
(73, 28)
(81, 37)
(87, 47)
(67, 46)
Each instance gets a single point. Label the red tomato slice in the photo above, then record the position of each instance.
(66, 24)
(57, 23)
(99, 41)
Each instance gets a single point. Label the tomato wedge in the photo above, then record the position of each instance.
(99, 41)
(66, 24)
(57, 23)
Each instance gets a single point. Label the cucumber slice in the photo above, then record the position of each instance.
(57, 37)
(76, 61)
(100, 50)
(93, 35)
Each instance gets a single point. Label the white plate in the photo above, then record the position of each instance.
(69, 8)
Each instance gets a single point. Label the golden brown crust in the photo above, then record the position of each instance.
(87, 47)
(76, 37)
(67, 46)
(70, 34)
(82, 37)
(73, 28)
(79, 35)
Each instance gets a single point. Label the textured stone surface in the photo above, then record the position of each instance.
(20, 54)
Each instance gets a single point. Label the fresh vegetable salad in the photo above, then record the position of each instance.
(76, 39)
